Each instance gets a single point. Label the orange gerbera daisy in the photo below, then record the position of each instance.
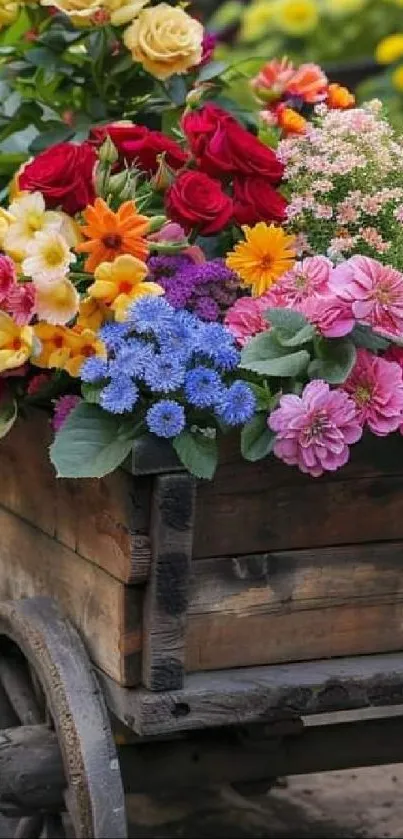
(110, 234)
(263, 257)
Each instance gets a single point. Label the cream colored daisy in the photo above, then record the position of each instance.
(30, 216)
(48, 257)
(57, 303)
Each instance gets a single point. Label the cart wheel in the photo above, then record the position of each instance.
(46, 677)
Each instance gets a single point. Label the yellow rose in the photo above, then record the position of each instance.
(8, 12)
(80, 11)
(124, 11)
(296, 17)
(165, 40)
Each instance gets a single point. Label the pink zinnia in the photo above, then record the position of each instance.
(8, 276)
(333, 318)
(375, 292)
(314, 430)
(245, 318)
(376, 386)
(308, 278)
(20, 303)
(63, 408)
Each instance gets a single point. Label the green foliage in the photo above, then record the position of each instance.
(8, 415)
(198, 451)
(256, 438)
(334, 360)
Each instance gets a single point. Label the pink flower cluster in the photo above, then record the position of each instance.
(17, 299)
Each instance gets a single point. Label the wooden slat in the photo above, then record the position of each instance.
(166, 591)
(259, 694)
(295, 605)
(102, 608)
(105, 521)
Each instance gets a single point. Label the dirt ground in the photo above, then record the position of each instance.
(332, 805)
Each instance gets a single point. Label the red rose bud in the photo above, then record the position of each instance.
(256, 200)
(223, 147)
(64, 175)
(196, 201)
(137, 145)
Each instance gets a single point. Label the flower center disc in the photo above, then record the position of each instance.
(112, 241)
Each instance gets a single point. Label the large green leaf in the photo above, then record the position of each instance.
(363, 336)
(286, 366)
(256, 438)
(334, 362)
(91, 443)
(198, 453)
(260, 348)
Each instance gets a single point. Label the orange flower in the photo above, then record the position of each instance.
(266, 254)
(290, 121)
(111, 234)
(339, 97)
(308, 82)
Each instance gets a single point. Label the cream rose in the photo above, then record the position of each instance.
(165, 40)
(124, 11)
(80, 11)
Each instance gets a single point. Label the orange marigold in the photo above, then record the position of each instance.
(111, 234)
(339, 97)
(290, 121)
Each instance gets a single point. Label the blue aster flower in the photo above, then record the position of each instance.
(166, 418)
(94, 369)
(150, 314)
(178, 339)
(119, 396)
(217, 343)
(164, 374)
(236, 404)
(113, 335)
(132, 359)
(202, 387)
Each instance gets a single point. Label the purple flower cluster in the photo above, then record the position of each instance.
(207, 289)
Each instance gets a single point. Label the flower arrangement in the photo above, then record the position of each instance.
(238, 273)
(313, 30)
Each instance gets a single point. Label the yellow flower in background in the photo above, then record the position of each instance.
(390, 49)
(124, 11)
(397, 78)
(257, 19)
(296, 17)
(120, 282)
(27, 215)
(80, 11)
(8, 12)
(165, 40)
(263, 257)
(16, 343)
(57, 303)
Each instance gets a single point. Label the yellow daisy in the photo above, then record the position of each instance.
(263, 257)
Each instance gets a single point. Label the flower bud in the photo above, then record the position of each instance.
(108, 153)
(155, 224)
(164, 175)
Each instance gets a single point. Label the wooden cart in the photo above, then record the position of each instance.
(216, 620)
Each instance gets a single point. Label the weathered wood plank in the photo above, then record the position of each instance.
(259, 694)
(31, 771)
(101, 607)
(295, 605)
(105, 521)
(242, 520)
(166, 592)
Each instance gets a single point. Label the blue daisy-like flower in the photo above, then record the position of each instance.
(113, 335)
(202, 387)
(166, 418)
(150, 315)
(236, 404)
(164, 374)
(119, 396)
(94, 369)
(132, 359)
(216, 342)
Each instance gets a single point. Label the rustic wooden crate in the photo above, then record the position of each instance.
(164, 575)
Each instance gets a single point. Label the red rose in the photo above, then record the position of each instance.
(222, 146)
(64, 175)
(196, 200)
(137, 144)
(256, 200)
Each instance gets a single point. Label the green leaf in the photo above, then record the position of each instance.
(363, 336)
(8, 416)
(336, 359)
(176, 89)
(262, 395)
(197, 452)
(91, 443)
(260, 348)
(256, 438)
(59, 134)
(91, 392)
(285, 366)
(286, 319)
(212, 70)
